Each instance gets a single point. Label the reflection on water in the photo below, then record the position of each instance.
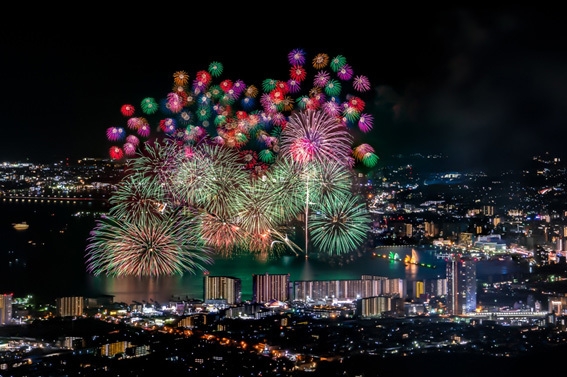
(128, 289)
(48, 259)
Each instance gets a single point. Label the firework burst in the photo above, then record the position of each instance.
(226, 166)
(340, 225)
(314, 136)
(146, 248)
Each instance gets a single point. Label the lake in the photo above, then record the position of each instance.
(48, 260)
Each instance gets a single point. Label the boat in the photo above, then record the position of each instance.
(21, 226)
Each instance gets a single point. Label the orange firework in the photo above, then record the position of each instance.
(181, 78)
(320, 61)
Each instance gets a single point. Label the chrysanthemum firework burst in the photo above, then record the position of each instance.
(146, 248)
(340, 224)
(223, 235)
(213, 179)
(314, 136)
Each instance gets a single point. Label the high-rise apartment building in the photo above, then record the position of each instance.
(461, 285)
(5, 308)
(348, 290)
(70, 306)
(269, 287)
(374, 306)
(222, 288)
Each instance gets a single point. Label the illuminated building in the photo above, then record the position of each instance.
(269, 287)
(5, 308)
(461, 285)
(374, 306)
(347, 290)
(222, 288)
(418, 289)
(70, 306)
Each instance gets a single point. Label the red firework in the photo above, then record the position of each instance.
(127, 110)
(116, 153)
(297, 73)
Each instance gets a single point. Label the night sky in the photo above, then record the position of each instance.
(487, 87)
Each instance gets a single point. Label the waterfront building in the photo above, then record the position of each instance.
(5, 308)
(268, 287)
(225, 289)
(461, 284)
(347, 290)
(70, 306)
(395, 286)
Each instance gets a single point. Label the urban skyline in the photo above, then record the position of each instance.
(481, 203)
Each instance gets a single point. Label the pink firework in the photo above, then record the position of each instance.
(279, 119)
(265, 100)
(321, 79)
(129, 149)
(313, 136)
(127, 110)
(133, 139)
(345, 72)
(115, 133)
(361, 83)
(188, 151)
(134, 123)
(144, 130)
(218, 140)
(116, 153)
(174, 103)
(365, 122)
(331, 108)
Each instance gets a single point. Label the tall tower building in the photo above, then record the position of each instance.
(5, 308)
(222, 288)
(461, 285)
(269, 287)
(70, 306)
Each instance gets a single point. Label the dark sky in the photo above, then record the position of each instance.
(484, 86)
